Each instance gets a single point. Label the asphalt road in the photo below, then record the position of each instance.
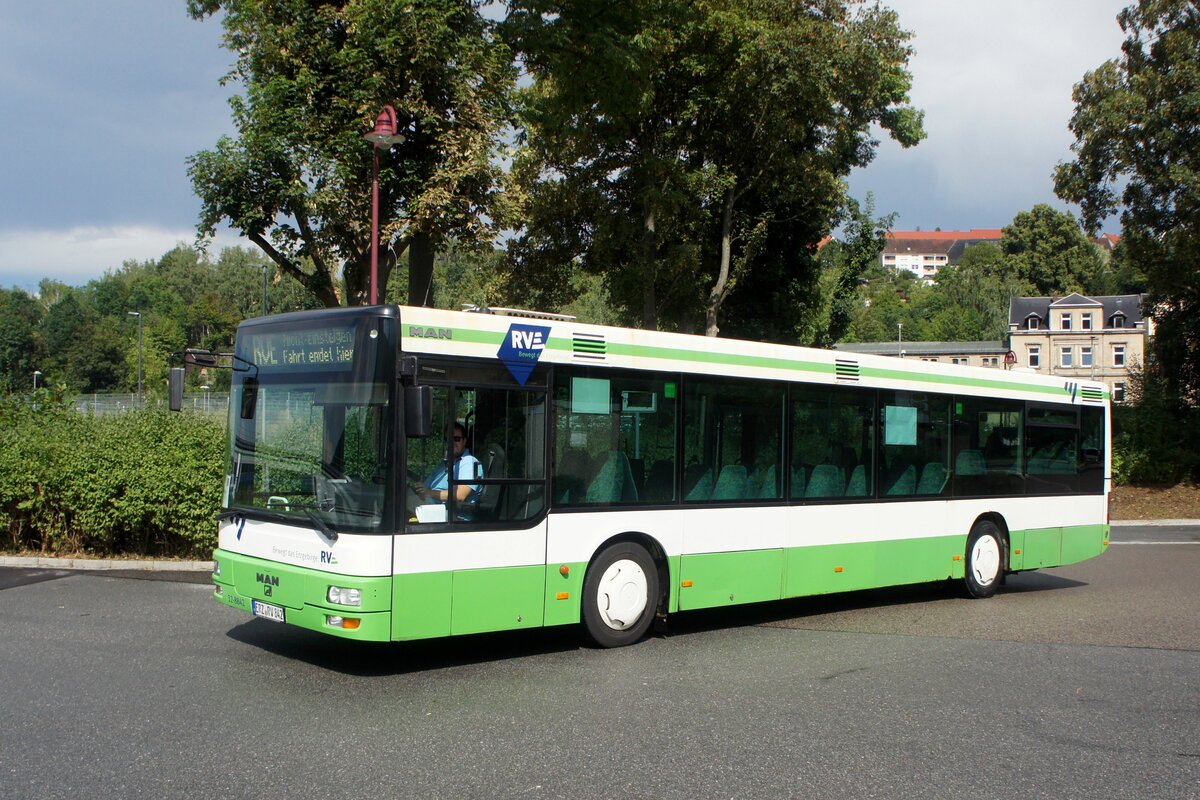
(1080, 681)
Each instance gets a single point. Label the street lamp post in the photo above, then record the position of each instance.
(899, 338)
(385, 134)
(138, 314)
(37, 373)
(264, 300)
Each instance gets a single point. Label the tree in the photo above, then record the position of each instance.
(972, 297)
(20, 343)
(851, 258)
(1137, 150)
(889, 299)
(1047, 249)
(681, 148)
(296, 181)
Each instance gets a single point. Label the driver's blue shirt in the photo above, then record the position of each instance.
(466, 468)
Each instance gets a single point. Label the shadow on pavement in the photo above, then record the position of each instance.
(777, 611)
(373, 659)
(12, 577)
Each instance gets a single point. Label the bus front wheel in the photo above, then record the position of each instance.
(620, 595)
(985, 560)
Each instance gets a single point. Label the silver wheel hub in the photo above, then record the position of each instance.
(985, 560)
(622, 594)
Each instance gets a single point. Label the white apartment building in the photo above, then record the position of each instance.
(923, 253)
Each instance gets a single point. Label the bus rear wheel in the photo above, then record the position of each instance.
(620, 595)
(985, 560)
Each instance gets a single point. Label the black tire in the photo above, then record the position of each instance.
(620, 595)
(985, 560)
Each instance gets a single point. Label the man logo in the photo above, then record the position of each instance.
(268, 581)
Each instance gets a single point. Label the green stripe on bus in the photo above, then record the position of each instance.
(675, 354)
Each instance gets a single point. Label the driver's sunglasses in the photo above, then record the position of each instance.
(459, 438)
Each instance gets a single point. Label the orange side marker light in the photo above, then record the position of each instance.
(562, 595)
(564, 570)
(838, 569)
(1017, 551)
(686, 584)
(957, 558)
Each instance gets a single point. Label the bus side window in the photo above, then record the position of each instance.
(614, 438)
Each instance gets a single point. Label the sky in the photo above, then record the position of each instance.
(103, 103)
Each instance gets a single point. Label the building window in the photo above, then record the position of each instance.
(1118, 355)
(1035, 357)
(959, 361)
(1067, 357)
(1085, 356)
(1118, 320)
(1118, 392)
(1066, 322)
(1033, 322)
(1085, 321)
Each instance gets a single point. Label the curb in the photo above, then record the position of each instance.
(155, 565)
(1154, 523)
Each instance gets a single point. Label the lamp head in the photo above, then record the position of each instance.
(385, 133)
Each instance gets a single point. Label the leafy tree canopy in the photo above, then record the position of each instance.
(20, 339)
(297, 179)
(689, 151)
(1047, 249)
(1137, 151)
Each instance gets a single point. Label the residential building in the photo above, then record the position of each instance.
(970, 354)
(923, 253)
(1097, 338)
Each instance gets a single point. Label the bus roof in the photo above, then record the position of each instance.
(546, 338)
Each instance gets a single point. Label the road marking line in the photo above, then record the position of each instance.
(1141, 542)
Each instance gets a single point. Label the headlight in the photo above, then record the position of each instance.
(345, 597)
(216, 567)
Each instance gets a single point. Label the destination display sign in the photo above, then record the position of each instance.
(321, 348)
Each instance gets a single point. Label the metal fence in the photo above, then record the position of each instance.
(213, 403)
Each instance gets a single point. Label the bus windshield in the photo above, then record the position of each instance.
(311, 423)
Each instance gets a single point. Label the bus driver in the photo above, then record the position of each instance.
(436, 488)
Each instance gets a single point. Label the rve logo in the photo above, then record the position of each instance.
(523, 346)
(327, 557)
(527, 340)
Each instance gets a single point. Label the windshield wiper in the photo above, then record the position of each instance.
(322, 526)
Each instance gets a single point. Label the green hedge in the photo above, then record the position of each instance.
(143, 482)
(1155, 445)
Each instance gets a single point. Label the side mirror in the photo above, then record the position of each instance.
(175, 389)
(418, 411)
(200, 358)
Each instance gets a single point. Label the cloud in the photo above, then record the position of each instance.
(995, 81)
(79, 254)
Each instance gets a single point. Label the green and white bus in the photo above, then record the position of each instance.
(621, 475)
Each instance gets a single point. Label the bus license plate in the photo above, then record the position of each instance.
(266, 610)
